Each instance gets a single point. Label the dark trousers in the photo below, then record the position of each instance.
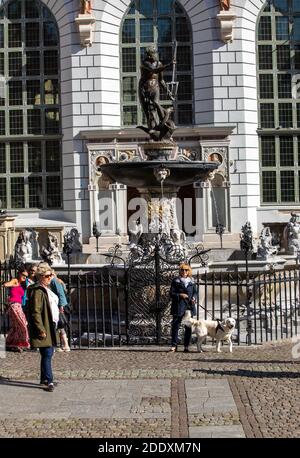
(46, 368)
(176, 322)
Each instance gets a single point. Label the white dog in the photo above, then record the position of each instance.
(221, 331)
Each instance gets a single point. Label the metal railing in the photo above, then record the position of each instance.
(264, 304)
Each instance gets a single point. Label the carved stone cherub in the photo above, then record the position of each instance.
(224, 5)
(85, 6)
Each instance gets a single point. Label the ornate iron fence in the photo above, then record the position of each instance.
(126, 305)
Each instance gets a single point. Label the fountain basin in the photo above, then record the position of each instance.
(141, 174)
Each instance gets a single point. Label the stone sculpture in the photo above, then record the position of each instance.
(160, 126)
(292, 234)
(23, 247)
(225, 5)
(85, 7)
(51, 253)
(266, 247)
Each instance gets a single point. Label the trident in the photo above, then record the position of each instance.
(173, 85)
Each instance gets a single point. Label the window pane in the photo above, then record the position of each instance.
(17, 192)
(15, 63)
(287, 182)
(34, 121)
(185, 87)
(3, 200)
(15, 92)
(128, 32)
(297, 57)
(285, 115)
(35, 186)
(129, 89)
(298, 115)
(129, 60)
(282, 28)
(283, 57)
(51, 92)
(33, 63)
(182, 29)
(281, 5)
(31, 9)
(33, 92)
(16, 157)
(14, 10)
(2, 122)
(16, 122)
(34, 157)
(50, 34)
(2, 159)
(14, 36)
(165, 54)
(267, 115)
(268, 156)
(298, 145)
(296, 6)
(185, 115)
(296, 29)
(164, 6)
(1, 35)
(2, 66)
(164, 27)
(146, 30)
(52, 156)
(286, 151)
(266, 90)
(284, 86)
(265, 57)
(130, 116)
(52, 121)
(269, 187)
(132, 8)
(51, 62)
(146, 7)
(264, 28)
(183, 61)
(32, 34)
(53, 192)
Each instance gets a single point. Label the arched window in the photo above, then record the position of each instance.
(278, 51)
(159, 23)
(30, 140)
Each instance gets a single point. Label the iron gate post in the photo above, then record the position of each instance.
(157, 294)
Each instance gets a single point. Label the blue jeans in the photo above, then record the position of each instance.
(46, 368)
(176, 322)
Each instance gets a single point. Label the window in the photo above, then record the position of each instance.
(30, 127)
(278, 60)
(159, 23)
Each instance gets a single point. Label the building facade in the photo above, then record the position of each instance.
(69, 77)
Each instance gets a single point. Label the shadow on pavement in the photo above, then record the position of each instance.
(244, 361)
(249, 373)
(20, 383)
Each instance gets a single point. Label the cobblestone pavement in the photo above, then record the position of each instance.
(264, 382)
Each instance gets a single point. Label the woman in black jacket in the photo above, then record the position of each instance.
(183, 293)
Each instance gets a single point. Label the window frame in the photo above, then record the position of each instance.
(45, 16)
(137, 16)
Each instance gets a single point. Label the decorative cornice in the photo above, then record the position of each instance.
(129, 134)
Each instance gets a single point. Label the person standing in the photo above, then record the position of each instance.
(43, 318)
(17, 338)
(183, 293)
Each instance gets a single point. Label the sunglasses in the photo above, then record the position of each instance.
(24, 276)
(47, 276)
(184, 270)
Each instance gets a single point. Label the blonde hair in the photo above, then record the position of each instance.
(188, 267)
(42, 269)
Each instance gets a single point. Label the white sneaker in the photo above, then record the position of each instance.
(59, 349)
(66, 349)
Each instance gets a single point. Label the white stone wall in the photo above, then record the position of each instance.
(224, 91)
